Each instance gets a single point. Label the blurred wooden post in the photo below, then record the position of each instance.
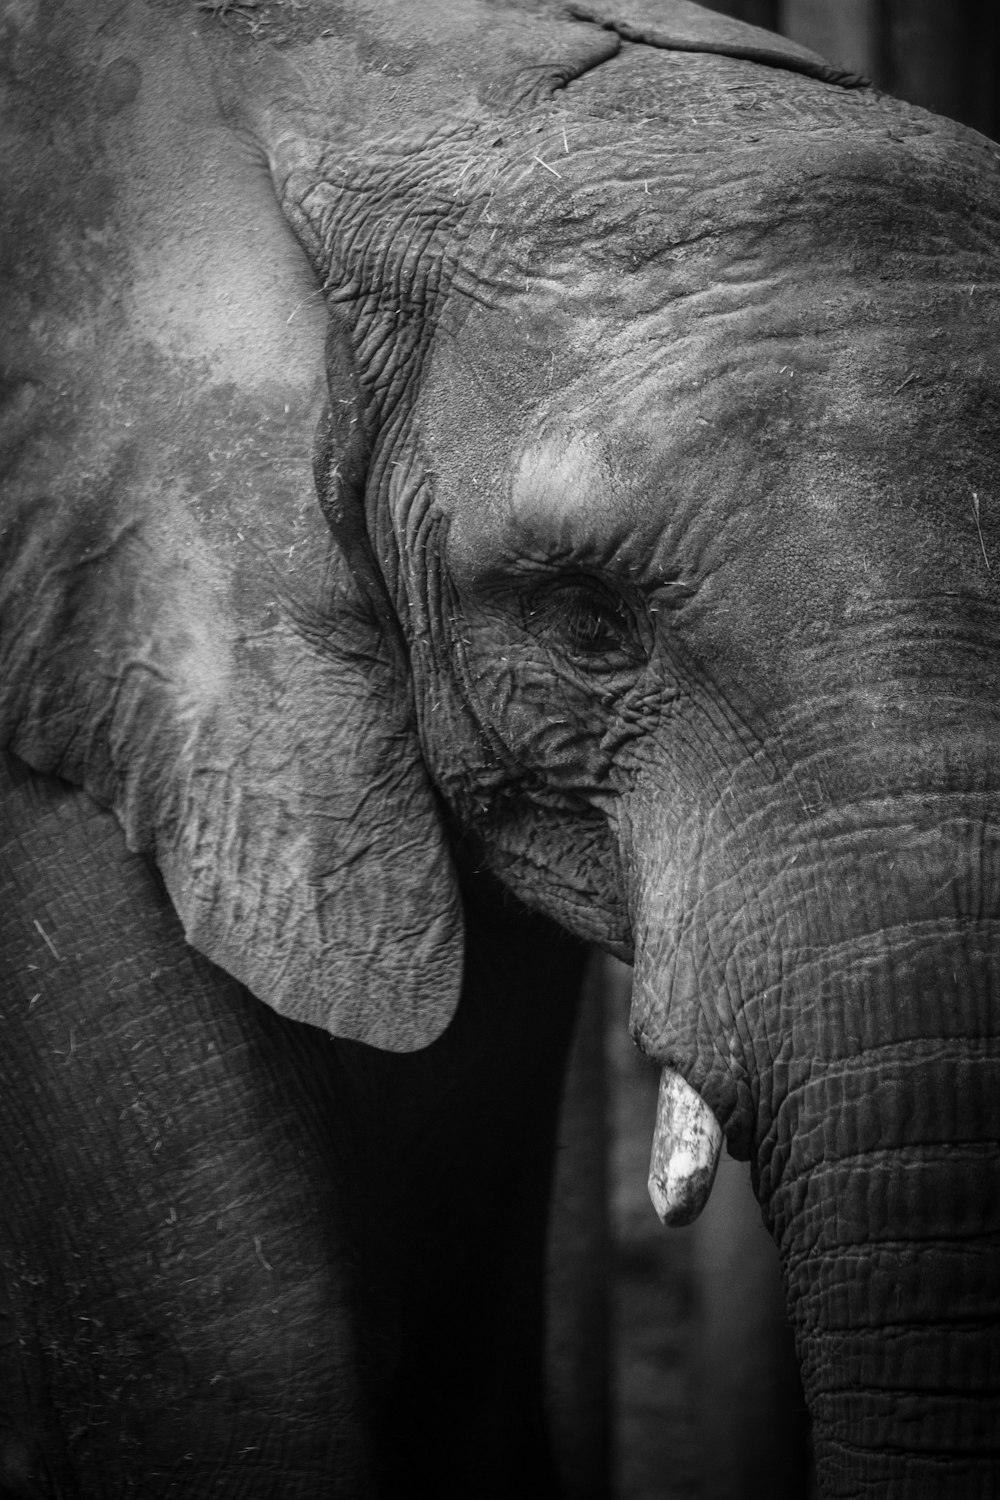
(758, 12)
(752, 1413)
(845, 31)
(579, 1260)
(946, 57)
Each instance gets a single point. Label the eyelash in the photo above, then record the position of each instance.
(595, 624)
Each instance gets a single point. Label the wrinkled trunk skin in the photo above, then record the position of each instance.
(876, 1164)
(878, 1174)
(898, 1337)
(850, 973)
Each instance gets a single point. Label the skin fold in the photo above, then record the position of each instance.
(644, 370)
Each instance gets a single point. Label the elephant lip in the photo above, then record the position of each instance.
(687, 1144)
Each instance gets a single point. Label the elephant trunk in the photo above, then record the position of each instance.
(850, 1046)
(880, 1184)
(876, 1166)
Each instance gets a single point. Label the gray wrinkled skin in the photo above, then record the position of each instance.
(661, 444)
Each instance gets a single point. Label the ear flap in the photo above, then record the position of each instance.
(177, 633)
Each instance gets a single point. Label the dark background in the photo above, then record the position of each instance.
(942, 54)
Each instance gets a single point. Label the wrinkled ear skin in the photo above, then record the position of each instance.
(178, 634)
(341, 453)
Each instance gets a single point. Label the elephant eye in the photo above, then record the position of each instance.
(591, 621)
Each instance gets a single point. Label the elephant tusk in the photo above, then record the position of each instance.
(687, 1143)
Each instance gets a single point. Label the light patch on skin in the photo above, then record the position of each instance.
(185, 616)
(203, 671)
(219, 278)
(560, 484)
(246, 307)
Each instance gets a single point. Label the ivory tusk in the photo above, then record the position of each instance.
(687, 1143)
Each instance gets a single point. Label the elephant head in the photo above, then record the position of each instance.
(661, 449)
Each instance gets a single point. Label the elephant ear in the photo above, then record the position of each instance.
(178, 634)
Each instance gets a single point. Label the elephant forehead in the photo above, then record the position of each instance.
(583, 489)
(562, 481)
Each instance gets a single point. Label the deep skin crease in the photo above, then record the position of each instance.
(661, 444)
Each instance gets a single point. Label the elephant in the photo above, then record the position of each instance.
(484, 479)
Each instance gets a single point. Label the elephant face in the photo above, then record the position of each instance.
(687, 535)
(686, 539)
(660, 447)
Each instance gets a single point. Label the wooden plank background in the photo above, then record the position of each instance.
(942, 54)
